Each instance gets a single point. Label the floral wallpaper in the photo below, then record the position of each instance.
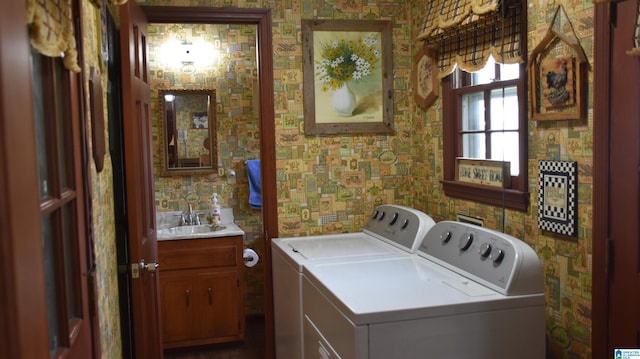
(330, 184)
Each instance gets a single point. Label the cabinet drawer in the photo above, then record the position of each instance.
(200, 253)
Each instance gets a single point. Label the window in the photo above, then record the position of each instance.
(485, 118)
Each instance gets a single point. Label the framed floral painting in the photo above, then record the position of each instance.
(348, 76)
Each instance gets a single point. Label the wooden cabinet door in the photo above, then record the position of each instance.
(178, 303)
(222, 307)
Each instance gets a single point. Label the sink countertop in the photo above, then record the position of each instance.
(166, 220)
(231, 229)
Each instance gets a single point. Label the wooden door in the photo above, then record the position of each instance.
(44, 300)
(624, 182)
(23, 309)
(138, 159)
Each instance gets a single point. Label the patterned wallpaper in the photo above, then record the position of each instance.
(330, 184)
(101, 191)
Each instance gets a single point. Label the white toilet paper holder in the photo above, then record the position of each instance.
(250, 257)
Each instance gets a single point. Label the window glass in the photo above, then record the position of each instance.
(504, 109)
(486, 75)
(504, 147)
(509, 72)
(50, 265)
(473, 111)
(473, 145)
(40, 125)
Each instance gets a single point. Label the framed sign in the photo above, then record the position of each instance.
(485, 172)
(348, 76)
(425, 77)
(557, 197)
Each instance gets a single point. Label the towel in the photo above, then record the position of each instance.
(255, 186)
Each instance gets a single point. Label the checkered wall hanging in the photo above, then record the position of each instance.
(557, 197)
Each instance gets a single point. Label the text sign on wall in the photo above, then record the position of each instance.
(485, 172)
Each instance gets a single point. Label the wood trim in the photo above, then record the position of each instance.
(262, 18)
(507, 198)
(23, 318)
(602, 81)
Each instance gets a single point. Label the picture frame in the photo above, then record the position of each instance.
(348, 77)
(425, 77)
(557, 197)
(558, 75)
(199, 120)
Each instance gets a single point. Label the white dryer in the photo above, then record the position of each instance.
(392, 231)
(469, 293)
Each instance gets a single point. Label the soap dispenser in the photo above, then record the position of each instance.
(215, 214)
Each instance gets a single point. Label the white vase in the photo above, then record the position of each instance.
(344, 101)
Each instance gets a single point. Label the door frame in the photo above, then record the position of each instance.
(600, 218)
(260, 17)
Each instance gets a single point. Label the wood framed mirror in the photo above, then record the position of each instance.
(189, 132)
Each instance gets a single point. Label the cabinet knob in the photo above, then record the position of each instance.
(187, 297)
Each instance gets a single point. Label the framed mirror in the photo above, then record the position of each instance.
(189, 135)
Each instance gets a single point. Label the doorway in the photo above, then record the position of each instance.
(261, 18)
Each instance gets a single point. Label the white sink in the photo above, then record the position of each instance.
(195, 229)
(199, 231)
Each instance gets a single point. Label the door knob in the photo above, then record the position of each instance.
(149, 267)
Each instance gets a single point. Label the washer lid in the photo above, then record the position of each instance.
(393, 289)
(340, 246)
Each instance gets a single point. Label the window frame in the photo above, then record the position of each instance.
(516, 197)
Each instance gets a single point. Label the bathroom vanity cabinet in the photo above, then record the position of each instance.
(201, 291)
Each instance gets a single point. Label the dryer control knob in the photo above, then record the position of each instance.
(498, 256)
(465, 241)
(405, 224)
(485, 250)
(445, 237)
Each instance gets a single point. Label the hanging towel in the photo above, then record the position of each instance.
(255, 187)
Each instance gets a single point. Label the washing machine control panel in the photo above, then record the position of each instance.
(496, 260)
(401, 226)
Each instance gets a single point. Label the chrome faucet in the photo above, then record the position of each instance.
(190, 217)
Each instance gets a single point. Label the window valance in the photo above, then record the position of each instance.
(51, 30)
(466, 32)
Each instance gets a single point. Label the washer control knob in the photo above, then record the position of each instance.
(394, 219)
(497, 256)
(445, 237)
(375, 214)
(405, 224)
(382, 214)
(485, 250)
(465, 241)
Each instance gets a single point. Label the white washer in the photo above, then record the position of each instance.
(469, 293)
(391, 232)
